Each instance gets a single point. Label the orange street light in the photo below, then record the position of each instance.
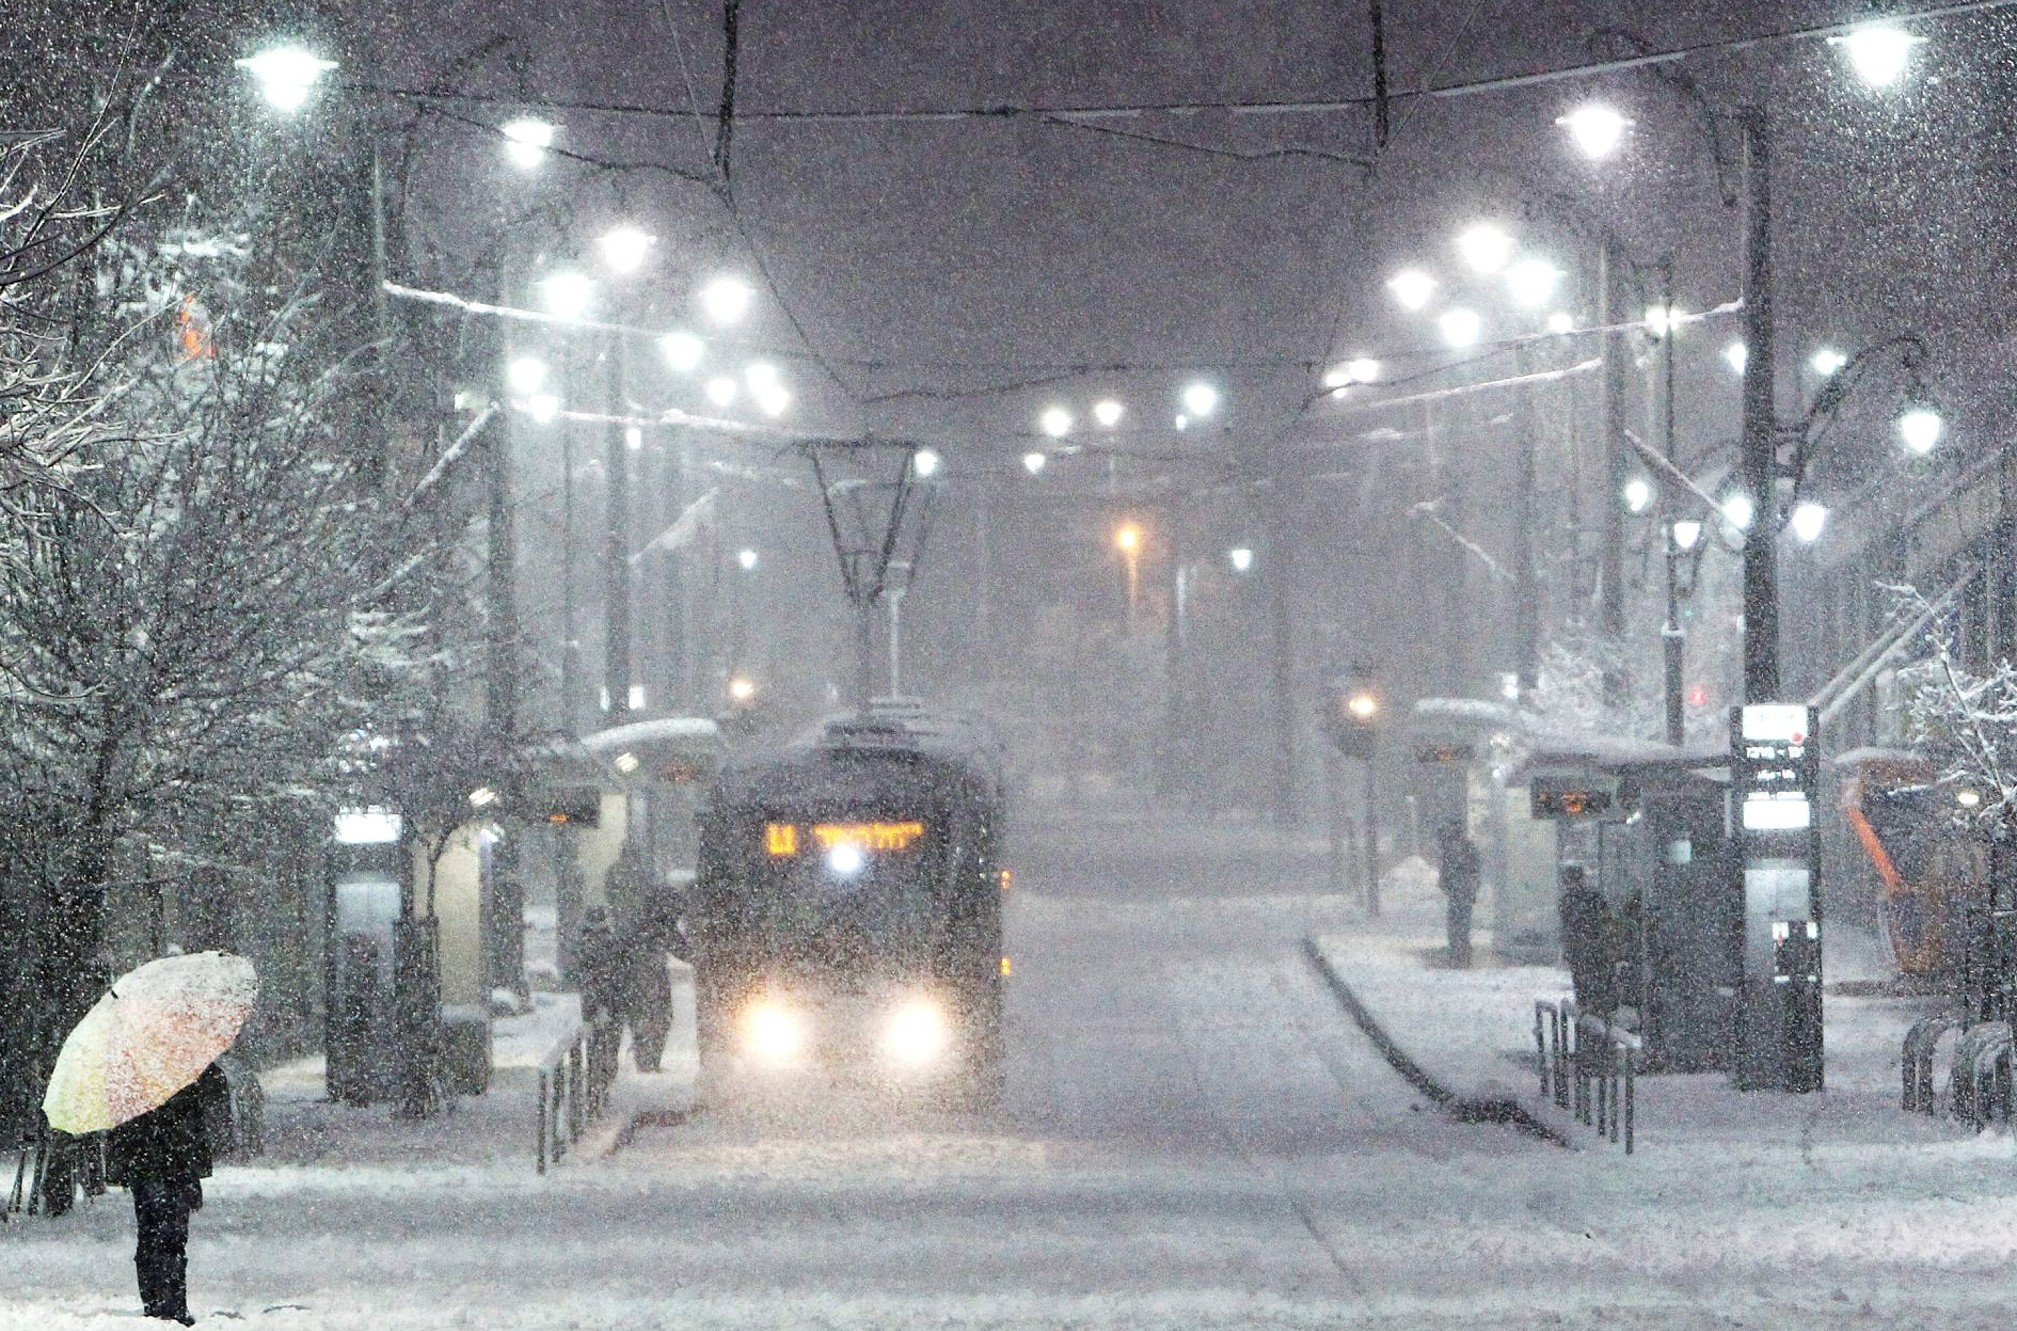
(1128, 540)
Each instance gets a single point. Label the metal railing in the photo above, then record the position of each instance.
(574, 1081)
(1587, 1066)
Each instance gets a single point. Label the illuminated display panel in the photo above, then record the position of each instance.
(782, 839)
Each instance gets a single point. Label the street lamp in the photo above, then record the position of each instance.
(1055, 422)
(925, 463)
(1597, 129)
(1532, 282)
(1460, 328)
(567, 296)
(1686, 532)
(1107, 412)
(1638, 494)
(1920, 428)
(746, 559)
(726, 299)
(525, 375)
(1486, 249)
(1826, 361)
(1736, 355)
(1034, 462)
(1128, 540)
(286, 75)
(682, 350)
(1241, 558)
(721, 390)
(526, 141)
(1200, 399)
(624, 248)
(1412, 288)
(1807, 521)
(1878, 52)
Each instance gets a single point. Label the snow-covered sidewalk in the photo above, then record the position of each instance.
(1472, 1031)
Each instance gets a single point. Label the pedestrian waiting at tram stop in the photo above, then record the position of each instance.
(1457, 864)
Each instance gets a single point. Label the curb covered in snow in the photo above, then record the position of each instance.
(1465, 1109)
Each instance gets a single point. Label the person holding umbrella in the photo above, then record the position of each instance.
(162, 1158)
(142, 1065)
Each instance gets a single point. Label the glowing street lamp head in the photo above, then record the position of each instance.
(1460, 328)
(286, 75)
(543, 407)
(1808, 520)
(746, 558)
(1878, 52)
(1826, 361)
(1532, 282)
(1200, 399)
(1128, 538)
(1363, 705)
(1034, 462)
(526, 141)
(1737, 356)
(1241, 557)
(741, 689)
(567, 295)
(924, 463)
(525, 375)
(1055, 422)
(1920, 429)
(1686, 532)
(1560, 322)
(1412, 288)
(682, 350)
(721, 390)
(1597, 129)
(624, 248)
(1485, 249)
(1108, 413)
(1638, 494)
(1738, 510)
(726, 299)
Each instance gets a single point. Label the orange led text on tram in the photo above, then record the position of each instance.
(782, 839)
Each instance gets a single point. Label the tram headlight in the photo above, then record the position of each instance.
(846, 859)
(773, 1032)
(918, 1033)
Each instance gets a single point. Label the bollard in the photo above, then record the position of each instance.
(540, 1147)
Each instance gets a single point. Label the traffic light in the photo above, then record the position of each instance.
(1353, 716)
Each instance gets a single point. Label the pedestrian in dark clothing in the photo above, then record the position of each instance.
(600, 960)
(1587, 947)
(1458, 877)
(162, 1157)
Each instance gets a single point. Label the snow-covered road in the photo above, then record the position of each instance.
(1193, 1137)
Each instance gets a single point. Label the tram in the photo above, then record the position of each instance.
(847, 906)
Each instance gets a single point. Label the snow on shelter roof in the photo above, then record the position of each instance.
(692, 732)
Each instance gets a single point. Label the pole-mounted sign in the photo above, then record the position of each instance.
(1774, 785)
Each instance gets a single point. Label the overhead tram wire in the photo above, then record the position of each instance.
(1009, 111)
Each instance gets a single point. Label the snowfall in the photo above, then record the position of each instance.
(1195, 1135)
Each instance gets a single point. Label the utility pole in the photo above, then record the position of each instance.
(1611, 573)
(570, 630)
(616, 542)
(1672, 641)
(1280, 566)
(1527, 595)
(1757, 463)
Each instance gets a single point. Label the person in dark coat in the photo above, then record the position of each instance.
(162, 1158)
(1587, 948)
(601, 963)
(1458, 877)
